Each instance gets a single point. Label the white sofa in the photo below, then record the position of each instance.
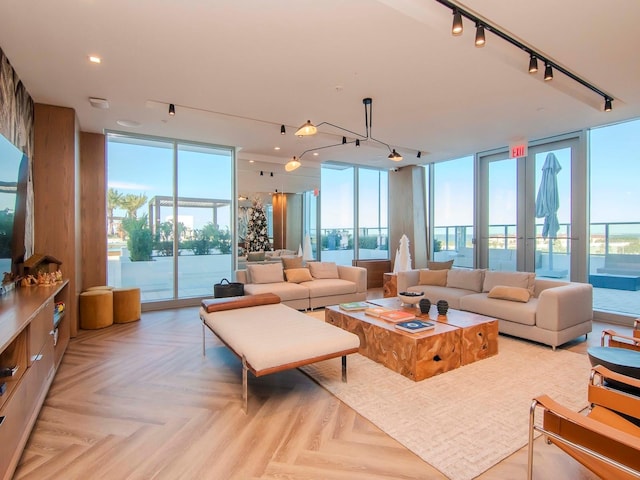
(555, 313)
(333, 284)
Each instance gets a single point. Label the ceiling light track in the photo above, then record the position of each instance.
(480, 23)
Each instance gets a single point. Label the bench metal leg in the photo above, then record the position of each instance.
(245, 394)
(203, 354)
(344, 368)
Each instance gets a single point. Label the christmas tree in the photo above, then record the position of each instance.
(257, 238)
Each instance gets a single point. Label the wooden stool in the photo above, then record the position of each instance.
(126, 305)
(96, 309)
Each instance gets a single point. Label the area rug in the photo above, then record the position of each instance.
(464, 421)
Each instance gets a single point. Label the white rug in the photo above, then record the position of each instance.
(464, 421)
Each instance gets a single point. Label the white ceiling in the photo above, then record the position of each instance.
(237, 69)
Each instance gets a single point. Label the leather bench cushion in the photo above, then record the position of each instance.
(325, 287)
(229, 303)
(435, 293)
(270, 336)
(523, 313)
(285, 290)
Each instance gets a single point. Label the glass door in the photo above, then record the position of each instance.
(529, 211)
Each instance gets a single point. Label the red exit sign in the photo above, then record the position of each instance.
(518, 150)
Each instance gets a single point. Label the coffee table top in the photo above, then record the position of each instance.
(621, 360)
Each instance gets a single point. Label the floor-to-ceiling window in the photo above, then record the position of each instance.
(614, 243)
(373, 222)
(169, 226)
(453, 211)
(337, 213)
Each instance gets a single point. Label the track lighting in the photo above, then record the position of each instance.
(357, 142)
(607, 104)
(292, 164)
(282, 130)
(172, 109)
(480, 40)
(548, 72)
(456, 28)
(395, 156)
(307, 129)
(533, 64)
(344, 140)
(261, 173)
(419, 154)
(271, 174)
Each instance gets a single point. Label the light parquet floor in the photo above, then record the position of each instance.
(139, 401)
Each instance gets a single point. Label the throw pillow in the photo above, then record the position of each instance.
(267, 273)
(440, 265)
(323, 269)
(515, 294)
(433, 277)
(255, 256)
(466, 279)
(298, 275)
(509, 279)
(291, 262)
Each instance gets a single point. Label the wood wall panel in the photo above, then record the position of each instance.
(93, 211)
(55, 185)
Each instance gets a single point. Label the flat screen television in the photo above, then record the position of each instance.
(14, 169)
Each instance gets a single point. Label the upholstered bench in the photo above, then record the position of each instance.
(271, 337)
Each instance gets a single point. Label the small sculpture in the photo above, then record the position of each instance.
(425, 305)
(443, 307)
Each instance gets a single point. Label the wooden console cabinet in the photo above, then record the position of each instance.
(32, 341)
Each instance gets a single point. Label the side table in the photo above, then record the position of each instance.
(389, 285)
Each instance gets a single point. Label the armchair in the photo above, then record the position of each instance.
(606, 440)
(610, 338)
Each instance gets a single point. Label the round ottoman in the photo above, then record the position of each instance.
(96, 309)
(126, 305)
(100, 287)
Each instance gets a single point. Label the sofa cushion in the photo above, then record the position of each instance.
(440, 265)
(323, 269)
(515, 294)
(325, 287)
(465, 279)
(509, 279)
(523, 313)
(285, 290)
(298, 275)
(267, 273)
(435, 293)
(291, 262)
(255, 256)
(433, 277)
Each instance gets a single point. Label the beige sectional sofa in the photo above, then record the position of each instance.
(317, 285)
(545, 311)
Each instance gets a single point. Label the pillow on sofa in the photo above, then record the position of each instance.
(291, 262)
(298, 275)
(433, 277)
(255, 256)
(323, 269)
(466, 279)
(515, 294)
(509, 279)
(440, 265)
(267, 273)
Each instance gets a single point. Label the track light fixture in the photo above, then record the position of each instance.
(480, 40)
(607, 104)
(172, 109)
(292, 164)
(456, 28)
(307, 129)
(368, 115)
(483, 24)
(419, 154)
(282, 130)
(261, 173)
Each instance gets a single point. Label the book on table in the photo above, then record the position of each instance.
(354, 306)
(415, 326)
(397, 316)
(376, 311)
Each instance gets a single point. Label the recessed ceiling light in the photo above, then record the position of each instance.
(276, 148)
(102, 103)
(315, 154)
(94, 59)
(251, 161)
(128, 123)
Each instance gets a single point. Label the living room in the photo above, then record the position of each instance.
(240, 97)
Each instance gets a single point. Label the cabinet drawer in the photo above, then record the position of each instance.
(40, 328)
(14, 418)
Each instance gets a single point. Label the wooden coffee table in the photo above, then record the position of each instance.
(457, 339)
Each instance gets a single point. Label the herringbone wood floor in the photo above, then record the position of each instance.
(139, 401)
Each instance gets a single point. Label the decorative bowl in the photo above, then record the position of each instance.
(410, 298)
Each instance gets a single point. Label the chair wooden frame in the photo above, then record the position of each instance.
(604, 448)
